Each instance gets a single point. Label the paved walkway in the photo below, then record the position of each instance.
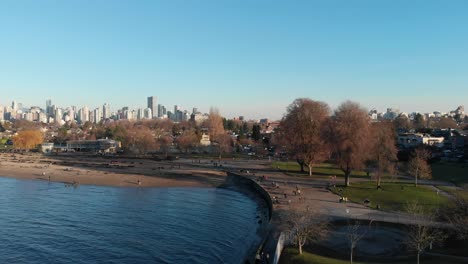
(314, 194)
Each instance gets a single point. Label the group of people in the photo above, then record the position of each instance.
(262, 258)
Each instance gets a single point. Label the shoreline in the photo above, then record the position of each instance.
(100, 171)
(125, 172)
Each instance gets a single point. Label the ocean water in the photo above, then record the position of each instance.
(42, 222)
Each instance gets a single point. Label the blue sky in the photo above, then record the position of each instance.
(248, 58)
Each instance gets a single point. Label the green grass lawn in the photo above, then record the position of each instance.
(291, 256)
(393, 196)
(323, 169)
(454, 191)
(456, 173)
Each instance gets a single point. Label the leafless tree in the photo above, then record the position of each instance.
(446, 122)
(188, 140)
(421, 234)
(223, 144)
(302, 129)
(383, 150)
(349, 134)
(418, 166)
(456, 213)
(355, 232)
(304, 227)
(141, 140)
(215, 123)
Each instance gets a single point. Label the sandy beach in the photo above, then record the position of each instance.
(106, 171)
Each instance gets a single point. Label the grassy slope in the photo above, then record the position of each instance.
(453, 191)
(450, 172)
(392, 197)
(290, 256)
(324, 169)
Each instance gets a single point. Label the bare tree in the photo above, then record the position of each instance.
(350, 137)
(223, 144)
(421, 235)
(456, 213)
(302, 130)
(187, 140)
(418, 166)
(304, 227)
(215, 123)
(446, 122)
(141, 140)
(383, 150)
(355, 232)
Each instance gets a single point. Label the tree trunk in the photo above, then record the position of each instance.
(416, 180)
(311, 165)
(347, 174)
(300, 249)
(301, 164)
(351, 256)
(417, 259)
(378, 178)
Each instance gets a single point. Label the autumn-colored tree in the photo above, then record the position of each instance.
(350, 137)
(165, 142)
(383, 152)
(141, 140)
(215, 123)
(28, 139)
(302, 130)
(187, 140)
(418, 165)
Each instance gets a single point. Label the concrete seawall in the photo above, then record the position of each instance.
(253, 186)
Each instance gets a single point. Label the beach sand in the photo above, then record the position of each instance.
(69, 168)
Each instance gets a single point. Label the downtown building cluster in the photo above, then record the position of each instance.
(392, 113)
(55, 114)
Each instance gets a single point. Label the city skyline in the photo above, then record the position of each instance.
(250, 59)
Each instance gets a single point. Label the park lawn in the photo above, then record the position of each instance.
(323, 169)
(463, 193)
(456, 173)
(291, 256)
(392, 197)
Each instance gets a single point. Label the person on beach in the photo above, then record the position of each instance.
(139, 182)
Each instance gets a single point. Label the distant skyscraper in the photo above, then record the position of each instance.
(14, 105)
(2, 113)
(97, 115)
(48, 109)
(147, 114)
(106, 113)
(152, 104)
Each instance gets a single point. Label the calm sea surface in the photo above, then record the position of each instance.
(43, 222)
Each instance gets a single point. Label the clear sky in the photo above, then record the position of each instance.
(249, 58)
